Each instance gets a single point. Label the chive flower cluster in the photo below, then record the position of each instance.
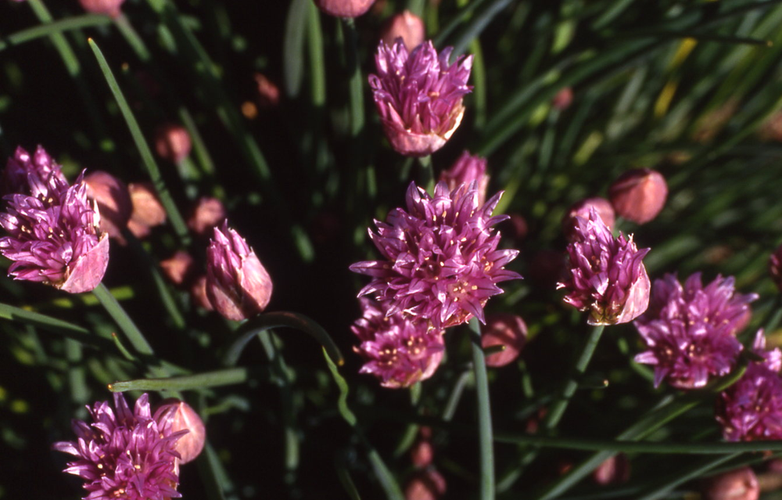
(690, 330)
(53, 228)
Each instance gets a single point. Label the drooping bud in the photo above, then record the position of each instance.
(421, 453)
(108, 7)
(639, 195)
(739, 484)
(344, 8)
(406, 26)
(172, 142)
(581, 209)
(148, 212)
(613, 470)
(268, 93)
(207, 214)
(237, 284)
(465, 170)
(182, 417)
(507, 330)
(178, 268)
(113, 199)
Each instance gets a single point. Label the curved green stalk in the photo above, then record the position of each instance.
(484, 412)
(50, 28)
(267, 321)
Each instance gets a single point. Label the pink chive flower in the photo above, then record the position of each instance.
(237, 284)
(689, 330)
(53, 229)
(751, 409)
(419, 96)
(466, 169)
(123, 453)
(441, 258)
(397, 350)
(607, 276)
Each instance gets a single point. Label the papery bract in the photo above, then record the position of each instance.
(107, 7)
(399, 351)
(237, 284)
(442, 261)
(406, 26)
(419, 95)
(124, 453)
(180, 416)
(607, 274)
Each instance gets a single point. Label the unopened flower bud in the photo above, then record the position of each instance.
(268, 92)
(237, 284)
(507, 330)
(344, 8)
(147, 212)
(427, 484)
(108, 7)
(739, 484)
(113, 199)
(183, 417)
(421, 454)
(406, 26)
(639, 195)
(172, 142)
(465, 170)
(613, 470)
(208, 213)
(563, 99)
(581, 209)
(178, 268)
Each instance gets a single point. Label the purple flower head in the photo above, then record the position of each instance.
(237, 284)
(689, 330)
(716, 304)
(399, 351)
(123, 453)
(607, 274)
(751, 409)
(419, 96)
(441, 258)
(467, 169)
(23, 172)
(54, 235)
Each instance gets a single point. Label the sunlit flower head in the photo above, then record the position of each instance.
(751, 409)
(419, 95)
(607, 276)
(441, 258)
(124, 453)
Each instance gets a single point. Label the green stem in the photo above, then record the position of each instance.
(692, 472)
(67, 330)
(128, 327)
(484, 413)
(426, 173)
(561, 405)
(216, 378)
(279, 319)
(143, 148)
(50, 28)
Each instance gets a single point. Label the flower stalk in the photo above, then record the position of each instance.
(484, 413)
